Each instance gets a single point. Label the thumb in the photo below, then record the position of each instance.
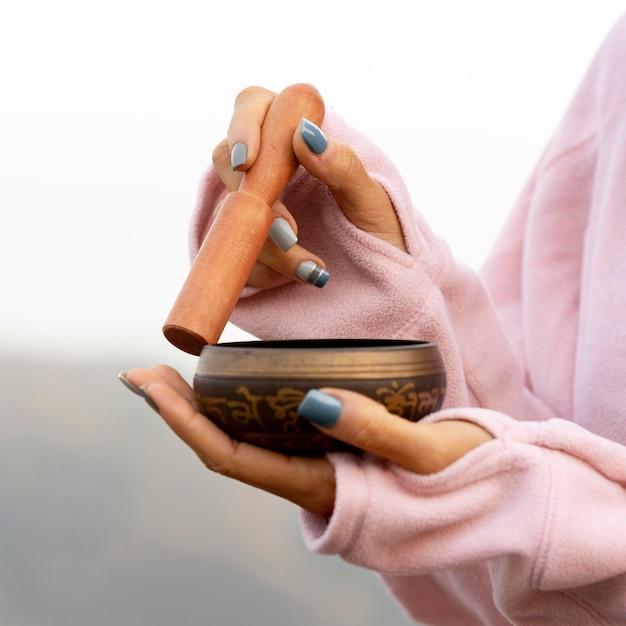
(366, 424)
(362, 199)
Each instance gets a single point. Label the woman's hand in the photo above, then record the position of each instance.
(308, 482)
(363, 200)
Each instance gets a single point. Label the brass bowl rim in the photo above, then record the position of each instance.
(309, 358)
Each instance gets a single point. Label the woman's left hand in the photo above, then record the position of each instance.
(308, 482)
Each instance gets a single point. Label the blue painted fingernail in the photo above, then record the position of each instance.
(313, 136)
(320, 408)
(282, 234)
(313, 273)
(238, 155)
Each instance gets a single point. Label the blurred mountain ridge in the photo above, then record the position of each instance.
(107, 519)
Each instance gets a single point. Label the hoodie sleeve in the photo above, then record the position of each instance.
(525, 529)
(514, 501)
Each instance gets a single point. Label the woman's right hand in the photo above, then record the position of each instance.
(363, 200)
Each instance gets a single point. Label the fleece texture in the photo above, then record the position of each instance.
(529, 528)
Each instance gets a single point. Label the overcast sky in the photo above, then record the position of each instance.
(109, 112)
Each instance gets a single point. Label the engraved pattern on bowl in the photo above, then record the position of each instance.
(252, 390)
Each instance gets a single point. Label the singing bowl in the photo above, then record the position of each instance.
(252, 389)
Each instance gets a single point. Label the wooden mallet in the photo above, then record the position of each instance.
(232, 245)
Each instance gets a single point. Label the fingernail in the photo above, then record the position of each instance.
(312, 273)
(122, 378)
(282, 234)
(148, 398)
(238, 155)
(320, 408)
(313, 136)
(142, 391)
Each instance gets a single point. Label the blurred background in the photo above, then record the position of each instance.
(108, 116)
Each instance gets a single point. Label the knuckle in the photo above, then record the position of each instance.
(161, 370)
(247, 93)
(251, 94)
(225, 465)
(352, 166)
(371, 432)
(349, 171)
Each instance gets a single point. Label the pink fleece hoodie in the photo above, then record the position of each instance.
(529, 528)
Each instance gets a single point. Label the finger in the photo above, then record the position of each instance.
(244, 132)
(141, 378)
(272, 270)
(264, 277)
(366, 424)
(298, 264)
(308, 482)
(362, 199)
(221, 161)
(232, 181)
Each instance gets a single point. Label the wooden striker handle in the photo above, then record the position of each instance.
(234, 241)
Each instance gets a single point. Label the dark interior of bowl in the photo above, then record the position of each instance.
(252, 389)
(334, 344)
